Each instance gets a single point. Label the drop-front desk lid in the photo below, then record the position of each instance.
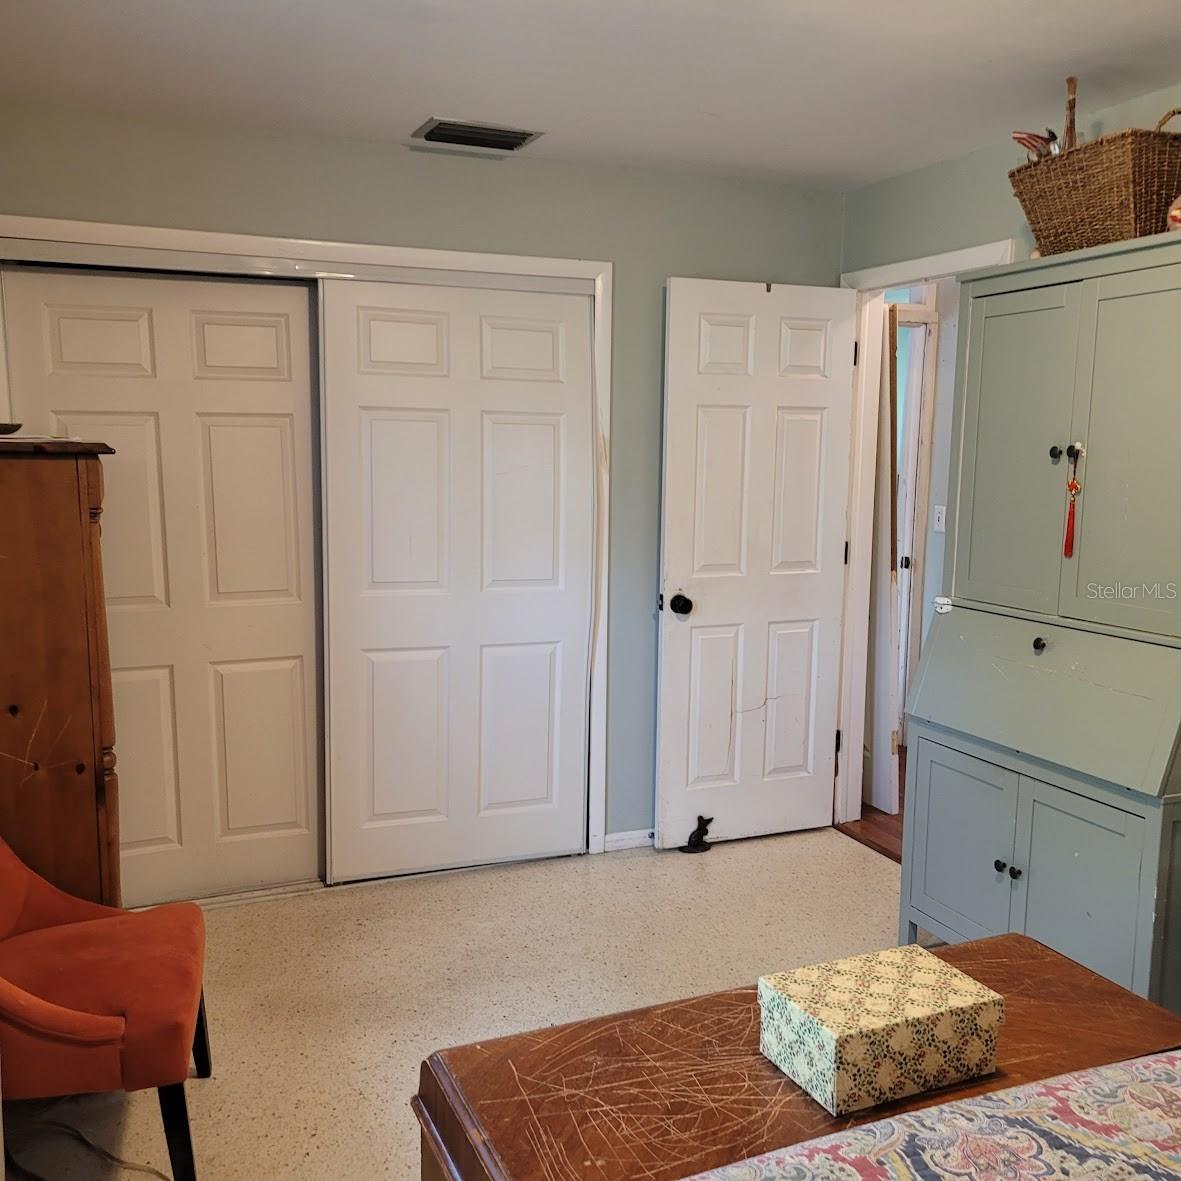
(1100, 705)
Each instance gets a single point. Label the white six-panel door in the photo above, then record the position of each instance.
(757, 431)
(204, 390)
(460, 522)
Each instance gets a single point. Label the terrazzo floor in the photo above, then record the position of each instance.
(322, 1005)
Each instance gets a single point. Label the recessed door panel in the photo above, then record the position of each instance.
(250, 506)
(260, 744)
(407, 739)
(135, 556)
(964, 816)
(1126, 565)
(720, 490)
(1080, 884)
(406, 485)
(99, 341)
(522, 499)
(410, 342)
(799, 489)
(791, 698)
(519, 709)
(149, 768)
(715, 672)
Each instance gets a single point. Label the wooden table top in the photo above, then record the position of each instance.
(660, 1093)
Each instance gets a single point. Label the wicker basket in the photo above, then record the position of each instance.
(1116, 187)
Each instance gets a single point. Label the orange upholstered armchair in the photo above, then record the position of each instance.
(98, 999)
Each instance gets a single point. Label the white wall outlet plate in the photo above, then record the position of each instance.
(940, 518)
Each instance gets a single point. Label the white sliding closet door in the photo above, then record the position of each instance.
(460, 526)
(204, 390)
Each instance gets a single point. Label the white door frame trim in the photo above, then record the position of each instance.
(84, 243)
(872, 283)
(933, 266)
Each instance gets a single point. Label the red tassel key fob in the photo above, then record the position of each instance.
(1073, 488)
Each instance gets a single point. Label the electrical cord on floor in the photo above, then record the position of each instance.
(22, 1174)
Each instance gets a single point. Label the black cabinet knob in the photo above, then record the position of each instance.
(1072, 451)
(1055, 452)
(680, 604)
(1014, 872)
(999, 865)
(1039, 645)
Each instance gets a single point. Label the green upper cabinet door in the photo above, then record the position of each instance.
(1126, 568)
(1018, 396)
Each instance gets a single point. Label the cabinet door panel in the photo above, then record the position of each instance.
(1126, 567)
(964, 815)
(1079, 891)
(1018, 394)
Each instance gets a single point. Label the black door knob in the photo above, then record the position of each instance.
(680, 604)
(1039, 645)
(1014, 872)
(1055, 452)
(999, 865)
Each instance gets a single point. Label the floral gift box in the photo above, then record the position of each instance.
(878, 1027)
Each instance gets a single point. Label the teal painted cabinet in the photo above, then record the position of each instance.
(1044, 777)
(1056, 354)
(989, 849)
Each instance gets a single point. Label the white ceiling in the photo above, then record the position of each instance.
(822, 92)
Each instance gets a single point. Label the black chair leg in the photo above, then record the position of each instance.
(176, 1131)
(202, 1058)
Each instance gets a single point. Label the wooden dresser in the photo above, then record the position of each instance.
(59, 806)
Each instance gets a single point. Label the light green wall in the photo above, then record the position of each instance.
(967, 201)
(650, 224)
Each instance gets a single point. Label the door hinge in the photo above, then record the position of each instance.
(838, 750)
(856, 351)
(660, 602)
(846, 553)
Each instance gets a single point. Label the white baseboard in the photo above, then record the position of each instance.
(628, 840)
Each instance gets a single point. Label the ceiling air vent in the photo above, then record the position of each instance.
(487, 136)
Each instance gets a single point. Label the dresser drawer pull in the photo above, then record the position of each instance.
(1014, 872)
(1039, 645)
(999, 865)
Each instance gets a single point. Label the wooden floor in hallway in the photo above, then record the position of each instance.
(878, 830)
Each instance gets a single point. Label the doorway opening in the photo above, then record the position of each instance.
(909, 323)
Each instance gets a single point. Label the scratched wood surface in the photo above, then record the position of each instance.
(660, 1093)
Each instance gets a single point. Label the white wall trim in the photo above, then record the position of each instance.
(635, 839)
(862, 475)
(872, 283)
(934, 266)
(85, 243)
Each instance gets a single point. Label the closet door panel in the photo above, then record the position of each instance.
(1018, 396)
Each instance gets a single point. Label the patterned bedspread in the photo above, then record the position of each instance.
(1114, 1123)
